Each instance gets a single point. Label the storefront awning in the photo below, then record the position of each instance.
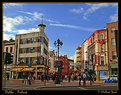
(27, 69)
(16, 69)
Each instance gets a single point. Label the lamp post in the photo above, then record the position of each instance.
(58, 44)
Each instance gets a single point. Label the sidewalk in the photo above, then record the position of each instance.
(38, 84)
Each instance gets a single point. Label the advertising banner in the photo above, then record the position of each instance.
(103, 75)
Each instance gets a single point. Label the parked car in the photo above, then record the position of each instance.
(110, 81)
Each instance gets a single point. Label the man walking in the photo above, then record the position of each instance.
(84, 79)
(80, 78)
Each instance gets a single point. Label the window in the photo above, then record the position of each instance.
(6, 49)
(45, 51)
(28, 40)
(113, 41)
(32, 60)
(32, 50)
(38, 60)
(27, 50)
(43, 39)
(22, 50)
(102, 48)
(27, 60)
(38, 49)
(45, 61)
(102, 60)
(33, 40)
(112, 30)
(10, 49)
(101, 36)
(40, 39)
(21, 60)
(23, 41)
(93, 39)
(41, 59)
(114, 71)
(113, 55)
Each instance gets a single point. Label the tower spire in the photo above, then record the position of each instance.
(42, 19)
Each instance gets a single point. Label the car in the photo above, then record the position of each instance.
(110, 80)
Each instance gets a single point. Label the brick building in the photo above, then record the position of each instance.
(112, 53)
(97, 54)
(65, 60)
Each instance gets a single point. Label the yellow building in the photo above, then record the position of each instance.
(31, 54)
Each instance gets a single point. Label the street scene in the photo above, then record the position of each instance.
(60, 46)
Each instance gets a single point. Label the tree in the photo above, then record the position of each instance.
(11, 40)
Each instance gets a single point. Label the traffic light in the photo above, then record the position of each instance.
(7, 58)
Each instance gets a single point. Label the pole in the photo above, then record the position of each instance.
(5, 76)
(109, 70)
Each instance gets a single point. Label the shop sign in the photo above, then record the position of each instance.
(103, 75)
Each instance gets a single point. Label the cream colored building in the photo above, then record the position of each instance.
(52, 58)
(31, 53)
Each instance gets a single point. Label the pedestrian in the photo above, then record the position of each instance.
(95, 77)
(8, 77)
(65, 77)
(80, 78)
(39, 76)
(29, 80)
(42, 77)
(34, 76)
(84, 79)
(69, 77)
(91, 79)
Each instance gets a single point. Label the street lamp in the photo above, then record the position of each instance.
(58, 44)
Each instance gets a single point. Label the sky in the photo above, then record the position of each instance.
(72, 23)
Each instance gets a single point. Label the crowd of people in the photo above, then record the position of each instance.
(70, 77)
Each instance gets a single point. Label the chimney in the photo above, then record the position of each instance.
(104, 27)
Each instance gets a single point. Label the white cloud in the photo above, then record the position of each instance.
(80, 10)
(10, 23)
(71, 57)
(35, 15)
(114, 17)
(8, 36)
(38, 16)
(74, 27)
(23, 31)
(94, 8)
(6, 5)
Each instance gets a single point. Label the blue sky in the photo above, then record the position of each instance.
(71, 22)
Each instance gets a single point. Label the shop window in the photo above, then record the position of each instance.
(32, 60)
(27, 60)
(21, 60)
(114, 71)
(38, 60)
